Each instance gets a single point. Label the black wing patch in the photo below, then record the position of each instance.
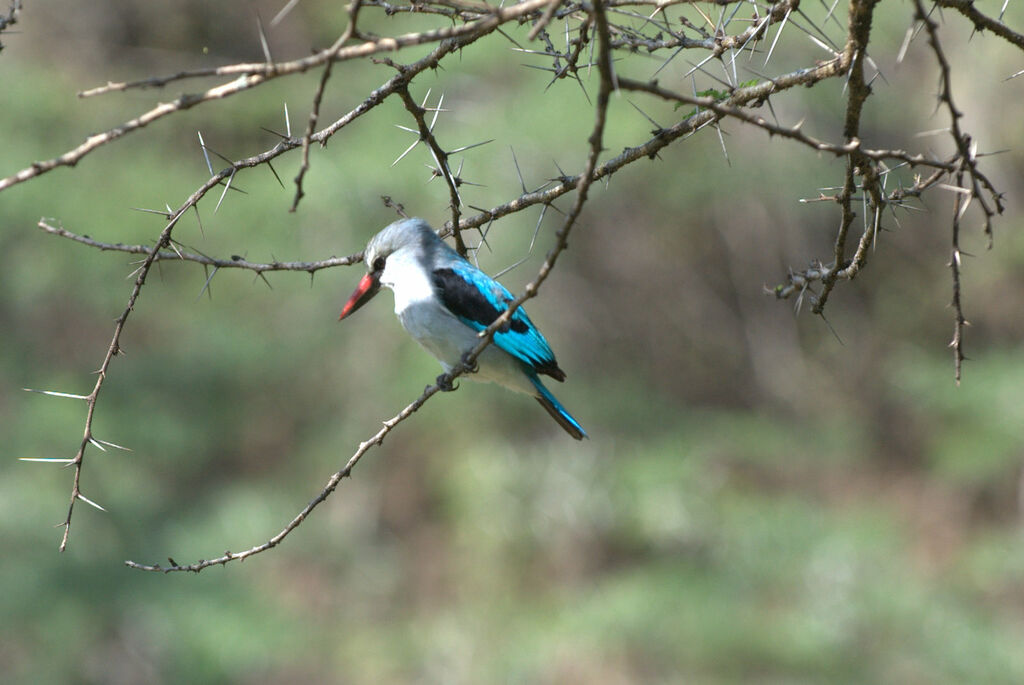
(477, 300)
(467, 301)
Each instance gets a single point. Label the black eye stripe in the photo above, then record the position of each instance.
(378, 264)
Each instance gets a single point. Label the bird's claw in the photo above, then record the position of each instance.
(444, 384)
(471, 366)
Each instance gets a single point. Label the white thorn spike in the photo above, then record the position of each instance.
(227, 187)
(54, 393)
(202, 145)
(89, 501)
(115, 445)
(437, 113)
(407, 151)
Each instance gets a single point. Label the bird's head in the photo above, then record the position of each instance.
(407, 234)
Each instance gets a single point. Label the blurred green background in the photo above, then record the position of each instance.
(760, 500)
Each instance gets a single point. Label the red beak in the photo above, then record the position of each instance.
(367, 288)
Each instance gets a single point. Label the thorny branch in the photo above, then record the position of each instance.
(967, 163)
(595, 141)
(967, 158)
(983, 22)
(314, 113)
(867, 166)
(596, 34)
(251, 75)
(164, 240)
(426, 134)
(854, 54)
(232, 262)
(114, 348)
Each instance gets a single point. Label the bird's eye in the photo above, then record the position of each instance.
(378, 264)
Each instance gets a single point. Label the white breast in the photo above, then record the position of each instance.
(410, 281)
(430, 323)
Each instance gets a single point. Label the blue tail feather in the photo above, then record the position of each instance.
(557, 411)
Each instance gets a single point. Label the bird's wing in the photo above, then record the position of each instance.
(477, 300)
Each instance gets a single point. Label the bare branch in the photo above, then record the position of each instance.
(233, 262)
(486, 336)
(332, 483)
(314, 113)
(590, 34)
(983, 22)
(250, 75)
(426, 133)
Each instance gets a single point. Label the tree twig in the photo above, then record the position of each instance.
(595, 142)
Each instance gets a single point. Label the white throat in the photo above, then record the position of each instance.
(405, 275)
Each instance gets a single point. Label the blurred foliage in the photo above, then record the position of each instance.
(761, 500)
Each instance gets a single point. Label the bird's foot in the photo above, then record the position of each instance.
(444, 384)
(471, 366)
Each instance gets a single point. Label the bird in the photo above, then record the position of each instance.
(443, 301)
